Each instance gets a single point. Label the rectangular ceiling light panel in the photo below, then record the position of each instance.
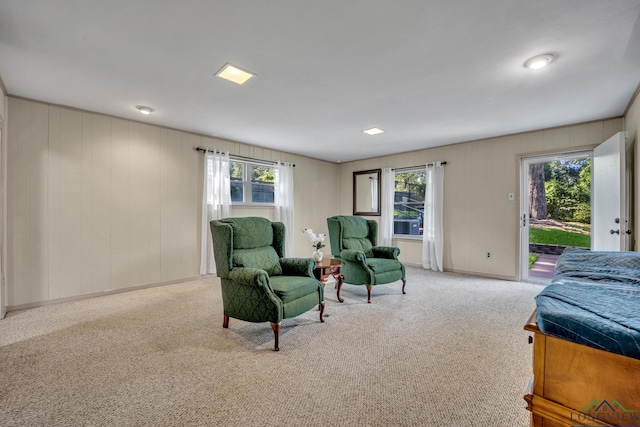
(373, 131)
(234, 74)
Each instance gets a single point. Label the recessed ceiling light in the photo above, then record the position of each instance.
(539, 61)
(373, 131)
(234, 74)
(144, 109)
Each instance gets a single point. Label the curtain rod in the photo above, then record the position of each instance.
(415, 167)
(236, 157)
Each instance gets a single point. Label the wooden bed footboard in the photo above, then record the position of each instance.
(577, 385)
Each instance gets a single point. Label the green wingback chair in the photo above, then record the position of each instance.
(354, 241)
(258, 283)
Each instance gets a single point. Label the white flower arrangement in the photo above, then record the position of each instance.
(316, 240)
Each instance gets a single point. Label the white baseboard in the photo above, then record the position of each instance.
(103, 293)
(487, 275)
(470, 273)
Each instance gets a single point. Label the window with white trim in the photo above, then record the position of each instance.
(251, 183)
(408, 202)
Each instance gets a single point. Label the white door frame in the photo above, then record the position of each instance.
(524, 198)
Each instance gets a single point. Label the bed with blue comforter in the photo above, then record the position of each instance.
(594, 299)
(586, 342)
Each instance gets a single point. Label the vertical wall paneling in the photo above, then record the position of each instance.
(579, 136)
(170, 191)
(96, 203)
(119, 204)
(179, 233)
(38, 188)
(242, 150)
(595, 131)
(182, 229)
(3, 204)
(137, 224)
(71, 221)
(87, 196)
(475, 178)
(100, 203)
(611, 127)
(53, 203)
(38, 213)
(165, 193)
(11, 182)
(257, 153)
(493, 221)
(154, 214)
(18, 274)
(193, 200)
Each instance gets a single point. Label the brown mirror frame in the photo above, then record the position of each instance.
(375, 174)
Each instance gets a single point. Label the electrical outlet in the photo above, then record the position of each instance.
(488, 254)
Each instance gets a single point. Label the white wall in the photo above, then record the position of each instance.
(478, 218)
(97, 203)
(3, 190)
(632, 126)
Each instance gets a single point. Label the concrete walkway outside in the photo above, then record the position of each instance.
(544, 267)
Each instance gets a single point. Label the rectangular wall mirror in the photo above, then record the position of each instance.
(366, 192)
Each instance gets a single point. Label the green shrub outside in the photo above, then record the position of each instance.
(406, 214)
(532, 259)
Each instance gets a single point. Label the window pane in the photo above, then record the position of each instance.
(237, 193)
(263, 174)
(262, 193)
(408, 208)
(262, 179)
(251, 183)
(236, 170)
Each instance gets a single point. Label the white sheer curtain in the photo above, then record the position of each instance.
(216, 203)
(432, 239)
(386, 215)
(283, 199)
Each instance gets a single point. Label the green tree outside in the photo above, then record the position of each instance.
(409, 190)
(568, 190)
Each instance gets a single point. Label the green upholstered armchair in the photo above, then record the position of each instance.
(354, 242)
(258, 283)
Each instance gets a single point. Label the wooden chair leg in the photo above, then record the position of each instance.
(322, 311)
(369, 293)
(339, 286)
(404, 282)
(276, 333)
(225, 321)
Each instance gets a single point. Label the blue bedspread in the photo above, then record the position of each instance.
(606, 267)
(594, 299)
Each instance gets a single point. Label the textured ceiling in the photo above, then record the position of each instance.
(427, 72)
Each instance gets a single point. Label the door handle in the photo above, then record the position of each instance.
(614, 231)
(628, 232)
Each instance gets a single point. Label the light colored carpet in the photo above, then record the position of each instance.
(451, 352)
